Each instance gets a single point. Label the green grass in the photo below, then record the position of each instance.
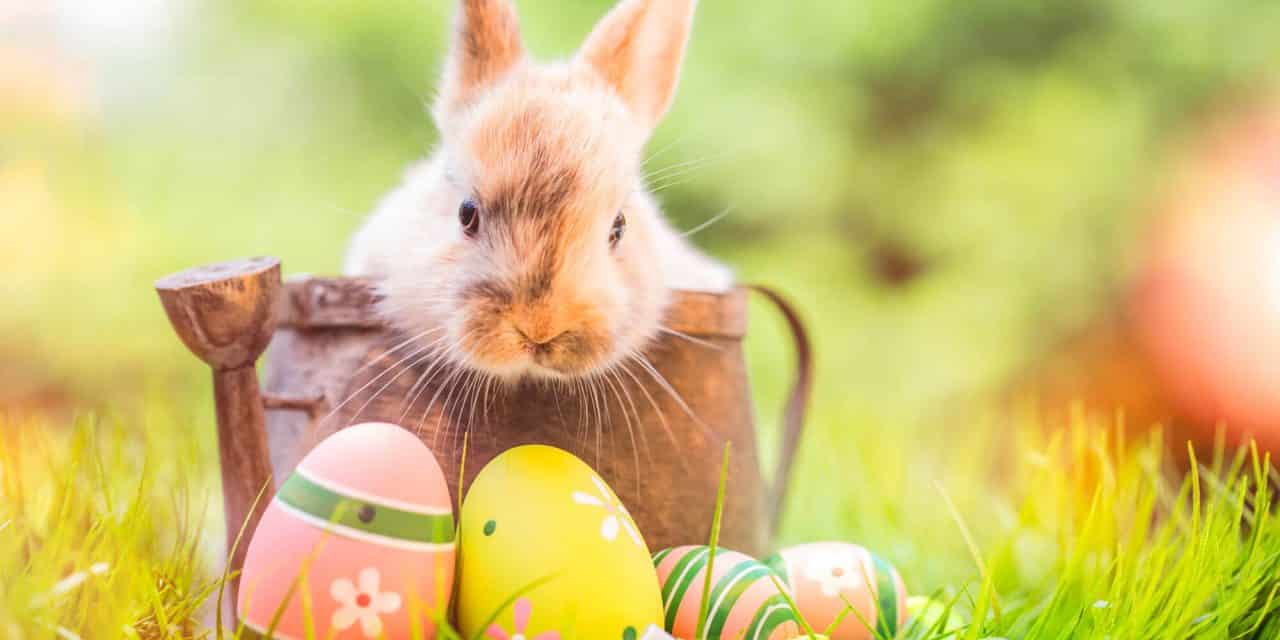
(109, 525)
(104, 529)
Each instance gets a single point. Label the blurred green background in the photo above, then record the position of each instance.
(956, 183)
(948, 190)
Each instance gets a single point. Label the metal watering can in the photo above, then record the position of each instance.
(655, 436)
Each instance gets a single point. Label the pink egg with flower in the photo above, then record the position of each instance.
(839, 581)
(364, 528)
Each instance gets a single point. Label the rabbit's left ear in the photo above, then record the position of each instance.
(638, 49)
(486, 44)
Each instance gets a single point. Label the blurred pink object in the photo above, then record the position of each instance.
(1207, 308)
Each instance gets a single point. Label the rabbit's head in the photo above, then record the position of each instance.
(543, 260)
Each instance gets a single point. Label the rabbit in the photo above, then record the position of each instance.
(526, 246)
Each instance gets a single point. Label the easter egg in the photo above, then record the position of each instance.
(1206, 302)
(549, 552)
(744, 603)
(827, 577)
(359, 542)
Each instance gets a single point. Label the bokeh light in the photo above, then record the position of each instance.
(1206, 304)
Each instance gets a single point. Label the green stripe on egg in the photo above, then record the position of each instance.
(684, 573)
(775, 612)
(661, 555)
(887, 596)
(779, 566)
(362, 516)
(727, 591)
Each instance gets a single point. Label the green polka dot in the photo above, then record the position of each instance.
(629, 633)
(489, 527)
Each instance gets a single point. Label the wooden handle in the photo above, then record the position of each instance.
(313, 404)
(797, 405)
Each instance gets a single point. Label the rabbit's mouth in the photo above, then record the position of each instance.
(514, 356)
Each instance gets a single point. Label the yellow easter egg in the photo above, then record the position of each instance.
(548, 551)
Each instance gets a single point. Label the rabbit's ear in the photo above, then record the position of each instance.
(638, 49)
(486, 44)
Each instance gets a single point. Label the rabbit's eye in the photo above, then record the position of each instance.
(619, 227)
(469, 216)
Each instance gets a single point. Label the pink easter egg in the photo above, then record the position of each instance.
(744, 604)
(826, 578)
(364, 528)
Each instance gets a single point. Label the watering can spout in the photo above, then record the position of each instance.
(226, 315)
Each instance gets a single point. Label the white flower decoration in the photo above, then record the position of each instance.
(616, 515)
(656, 633)
(836, 571)
(365, 604)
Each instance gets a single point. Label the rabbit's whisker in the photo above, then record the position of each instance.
(663, 149)
(657, 408)
(388, 383)
(710, 221)
(666, 386)
(424, 381)
(698, 341)
(445, 384)
(406, 342)
(371, 382)
(631, 433)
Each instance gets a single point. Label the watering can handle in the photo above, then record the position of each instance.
(797, 402)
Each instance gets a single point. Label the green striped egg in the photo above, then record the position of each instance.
(826, 578)
(744, 602)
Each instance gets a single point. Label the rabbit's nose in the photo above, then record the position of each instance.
(538, 333)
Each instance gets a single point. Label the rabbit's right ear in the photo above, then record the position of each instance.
(486, 44)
